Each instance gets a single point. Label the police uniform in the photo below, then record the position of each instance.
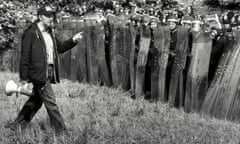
(171, 57)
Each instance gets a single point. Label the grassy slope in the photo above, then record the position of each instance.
(98, 115)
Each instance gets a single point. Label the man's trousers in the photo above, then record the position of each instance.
(42, 94)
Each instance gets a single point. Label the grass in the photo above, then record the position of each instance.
(100, 115)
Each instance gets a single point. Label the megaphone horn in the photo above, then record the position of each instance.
(11, 87)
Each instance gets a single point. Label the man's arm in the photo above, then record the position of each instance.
(68, 44)
(25, 55)
(65, 46)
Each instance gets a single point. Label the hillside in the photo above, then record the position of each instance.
(101, 115)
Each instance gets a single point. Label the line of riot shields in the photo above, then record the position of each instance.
(187, 66)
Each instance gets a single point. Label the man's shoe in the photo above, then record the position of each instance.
(15, 125)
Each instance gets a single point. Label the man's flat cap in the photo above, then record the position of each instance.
(47, 11)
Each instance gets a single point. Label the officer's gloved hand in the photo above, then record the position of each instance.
(172, 53)
(142, 59)
(213, 33)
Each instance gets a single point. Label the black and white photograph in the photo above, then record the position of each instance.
(120, 71)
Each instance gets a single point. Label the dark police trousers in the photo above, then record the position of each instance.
(42, 94)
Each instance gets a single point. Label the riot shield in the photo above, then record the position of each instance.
(197, 77)
(72, 63)
(127, 46)
(159, 60)
(176, 87)
(142, 60)
(91, 51)
(101, 55)
(132, 64)
(119, 51)
(223, 74)
(231, 107)
(81, 63)
(78, 54)
(222, 99)
(63, 33)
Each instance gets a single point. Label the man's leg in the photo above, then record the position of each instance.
(49, 100)
(31, 107)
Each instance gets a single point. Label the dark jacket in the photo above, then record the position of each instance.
(33, 62)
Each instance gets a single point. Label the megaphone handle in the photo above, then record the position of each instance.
(18, 91)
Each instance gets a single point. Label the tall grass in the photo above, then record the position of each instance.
(101, 115)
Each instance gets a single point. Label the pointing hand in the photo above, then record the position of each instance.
(77, 37)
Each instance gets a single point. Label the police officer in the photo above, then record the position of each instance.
(220, 44)
(187, 23)
(172, 23)
(152, 62)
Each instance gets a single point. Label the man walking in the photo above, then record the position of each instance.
(39, 65)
